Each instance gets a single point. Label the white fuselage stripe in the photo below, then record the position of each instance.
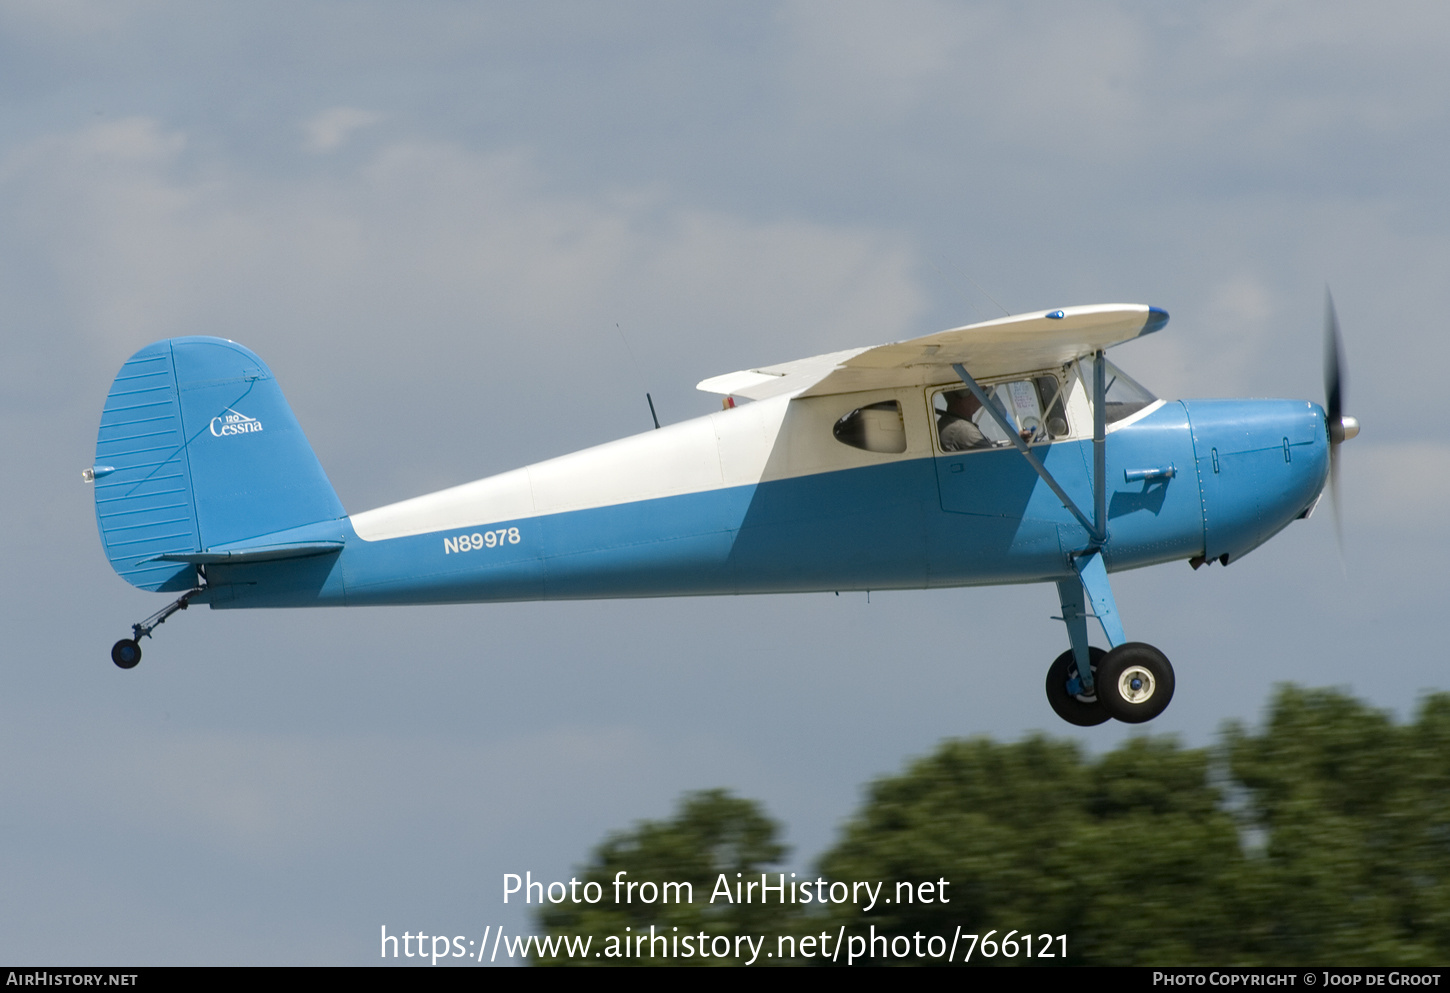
(731, 448)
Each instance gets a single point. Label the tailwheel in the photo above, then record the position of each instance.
(1134, 682)
(126, 653)
(1064, 691)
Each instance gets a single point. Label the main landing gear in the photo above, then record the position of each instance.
(1132, 682)
(126, 653)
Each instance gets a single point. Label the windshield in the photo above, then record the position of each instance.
(1124, 395)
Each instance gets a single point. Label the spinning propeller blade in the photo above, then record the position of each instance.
(1339, 426)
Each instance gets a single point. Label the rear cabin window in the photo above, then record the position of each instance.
(877, 428)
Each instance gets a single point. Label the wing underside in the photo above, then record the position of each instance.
(1004, 347)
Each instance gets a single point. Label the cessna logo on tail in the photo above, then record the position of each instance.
(234, 423)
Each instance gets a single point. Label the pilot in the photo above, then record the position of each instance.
(958, 431)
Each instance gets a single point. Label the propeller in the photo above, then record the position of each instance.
(1340, 426)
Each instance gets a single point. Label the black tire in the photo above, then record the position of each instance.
(1085, 712)
(1135, 682)
(126, 653)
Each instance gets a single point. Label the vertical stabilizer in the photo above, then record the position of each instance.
(198, 449)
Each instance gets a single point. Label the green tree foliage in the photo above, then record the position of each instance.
(1352, 817)
(1031, 836)
(1321, 838)
(712, 834)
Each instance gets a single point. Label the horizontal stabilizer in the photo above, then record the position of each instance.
(259, 553)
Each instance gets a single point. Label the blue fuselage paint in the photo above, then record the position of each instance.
(1257, 461)
(1241, 471)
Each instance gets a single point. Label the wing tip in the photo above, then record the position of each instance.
(735, 382)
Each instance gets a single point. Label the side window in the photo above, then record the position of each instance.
(1033, 408)
(877, 428)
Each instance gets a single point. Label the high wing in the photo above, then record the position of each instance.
(1007, 346)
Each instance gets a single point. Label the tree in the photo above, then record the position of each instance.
(1351, 817)
(712, 835)
(1322, 838)
(1131, 857)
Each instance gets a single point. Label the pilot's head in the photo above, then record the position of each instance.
(962, 403)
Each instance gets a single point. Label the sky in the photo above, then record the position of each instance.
(470, 236)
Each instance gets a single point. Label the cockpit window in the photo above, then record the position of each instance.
(1123, 395)
(877, 428)
(1033, 408)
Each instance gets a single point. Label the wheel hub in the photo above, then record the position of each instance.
(1135, 685)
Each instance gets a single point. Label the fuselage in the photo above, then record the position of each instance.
(767, 498)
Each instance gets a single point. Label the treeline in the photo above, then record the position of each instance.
(1322, 838)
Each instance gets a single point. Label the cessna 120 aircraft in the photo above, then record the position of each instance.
(1009, 451)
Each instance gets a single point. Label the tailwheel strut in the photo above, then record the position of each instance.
(126, 653)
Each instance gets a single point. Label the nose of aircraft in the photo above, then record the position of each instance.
(1261, 464)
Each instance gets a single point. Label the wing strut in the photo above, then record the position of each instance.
(1099, 533)
(1092, 576)
(1092, 579)
(1097, 530)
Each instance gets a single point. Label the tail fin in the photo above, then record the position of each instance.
(198, 449)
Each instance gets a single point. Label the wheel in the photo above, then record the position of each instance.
(1084, 711)
(126, 653)
(1135, 682)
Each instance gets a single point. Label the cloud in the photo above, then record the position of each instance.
(1390, 483)
(146, 243)
(77, 17)
(409, 283)
(329, 130)
(867, 60)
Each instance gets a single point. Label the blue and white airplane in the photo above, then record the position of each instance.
(1009, 451)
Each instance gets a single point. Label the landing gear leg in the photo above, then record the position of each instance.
(126, 653)
(1071, 694)
(1133, 682)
